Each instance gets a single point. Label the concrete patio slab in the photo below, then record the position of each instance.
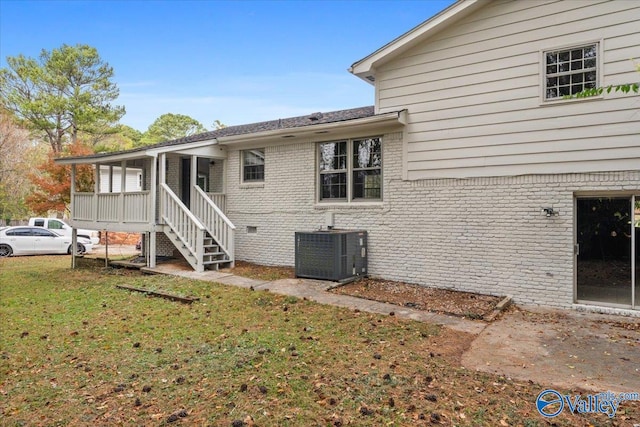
(561, 348)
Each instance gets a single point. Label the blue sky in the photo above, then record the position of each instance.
(233, 61)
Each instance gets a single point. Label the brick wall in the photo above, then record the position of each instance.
(216, 176)
(164, 246)
(483, 235)
(173, 173)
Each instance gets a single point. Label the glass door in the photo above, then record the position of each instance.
(606, 233)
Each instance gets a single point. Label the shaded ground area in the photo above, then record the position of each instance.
(465, 304)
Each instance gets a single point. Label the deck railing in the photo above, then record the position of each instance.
(220, 200)
(215, 221)
(136, 206)
(109, 207)
(130, 207)
(83, 207)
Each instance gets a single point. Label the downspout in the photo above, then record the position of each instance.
(74, 233)
(153, 212)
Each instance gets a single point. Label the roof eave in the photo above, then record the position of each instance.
(152, 152)
(365, 68)
(102, 158)
(319, 131)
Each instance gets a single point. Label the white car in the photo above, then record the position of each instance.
(38, 241)
(64, 229)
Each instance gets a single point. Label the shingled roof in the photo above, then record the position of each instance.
(288, 123)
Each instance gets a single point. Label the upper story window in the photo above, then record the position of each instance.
(570, 71)
(253, 165)
(350, 170)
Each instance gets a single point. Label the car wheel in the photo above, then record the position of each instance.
(81, 249)
(5, 250)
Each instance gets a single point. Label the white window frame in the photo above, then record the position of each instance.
(242, 166)
(349, 171)
(543, 70)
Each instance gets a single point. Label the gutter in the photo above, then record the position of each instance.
(320, 131)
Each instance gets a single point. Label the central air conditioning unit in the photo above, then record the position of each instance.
(337, 255)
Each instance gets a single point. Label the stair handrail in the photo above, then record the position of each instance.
(183, 222)
(215, 221)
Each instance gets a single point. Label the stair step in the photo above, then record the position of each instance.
(213, 253)
(216, 261)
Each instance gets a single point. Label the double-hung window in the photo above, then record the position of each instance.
(350, 170)
(253, 165)
(570, 71)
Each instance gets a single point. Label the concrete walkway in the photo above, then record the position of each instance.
(318, 291)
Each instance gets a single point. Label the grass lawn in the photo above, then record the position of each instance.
(74, 350)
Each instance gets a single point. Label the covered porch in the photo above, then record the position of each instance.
(170, 194)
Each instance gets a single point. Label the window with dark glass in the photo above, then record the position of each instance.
(350, 170)
(20, 232)
(333, 170)
(41, 232)
(253, 165)
(367, 169)
(570, 71)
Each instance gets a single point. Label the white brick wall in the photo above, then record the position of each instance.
(173, 173)
(216, 177)
(164, 246)
(483, 235)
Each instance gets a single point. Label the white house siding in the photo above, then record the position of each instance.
(473, 93)
(480, 234)
(132, 182)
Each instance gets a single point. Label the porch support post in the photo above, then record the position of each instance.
(150, 238)
(106, 249)
(73, 189)
(162, 178)
(123, 187)
(74, 246)
(74, 232)
(151, 249)
(153, 191)
(194, 180)
(96, 191)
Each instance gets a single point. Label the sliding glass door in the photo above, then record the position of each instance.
(608, 258)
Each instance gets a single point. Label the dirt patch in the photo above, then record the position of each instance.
(119, 238)
(262, 272)
(464, 304)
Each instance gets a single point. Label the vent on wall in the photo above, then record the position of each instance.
(337, 255)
